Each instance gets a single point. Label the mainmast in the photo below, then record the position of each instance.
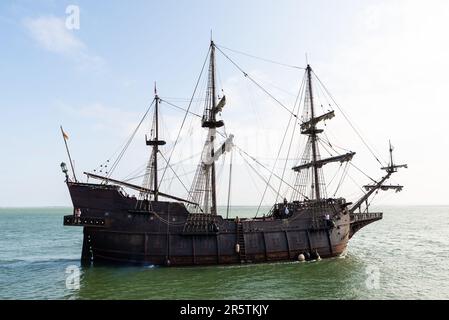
(210, 121)
(212, 129)
(313, 133)
(203, 190)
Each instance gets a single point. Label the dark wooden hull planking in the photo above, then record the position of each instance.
(122, 229)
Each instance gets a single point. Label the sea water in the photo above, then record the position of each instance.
(403, 256)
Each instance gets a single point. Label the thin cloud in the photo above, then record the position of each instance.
(111, 120)
(51, 34)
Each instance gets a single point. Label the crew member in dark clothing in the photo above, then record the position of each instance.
(285, 210)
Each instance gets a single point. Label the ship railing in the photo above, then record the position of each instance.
(364, 216)
(321, 224)
(198, 223)
(322, 203)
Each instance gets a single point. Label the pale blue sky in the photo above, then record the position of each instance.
(385, 62)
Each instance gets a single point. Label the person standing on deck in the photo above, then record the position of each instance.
(77, 215)
(286, 211)
(328, 221)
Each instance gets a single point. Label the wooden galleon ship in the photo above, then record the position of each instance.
(158, 228)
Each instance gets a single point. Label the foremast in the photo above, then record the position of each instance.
(309, 171)
(310, 178)
(152, 167)
(149, 189)
(313, 135)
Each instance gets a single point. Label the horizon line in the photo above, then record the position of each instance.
(237, 205)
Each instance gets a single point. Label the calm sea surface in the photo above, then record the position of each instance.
(403, 256)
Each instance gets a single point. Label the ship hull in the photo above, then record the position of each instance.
(120, 229)
(180, 250)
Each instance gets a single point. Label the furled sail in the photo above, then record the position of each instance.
(220, 104)
(319, 163)
(397, 188)
(312, 122)
(207, 158)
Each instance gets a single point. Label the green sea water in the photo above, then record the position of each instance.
(403, 256)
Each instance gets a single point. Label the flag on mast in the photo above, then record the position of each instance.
(64, 135)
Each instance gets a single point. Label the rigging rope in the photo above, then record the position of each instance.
(256, 186)
(256, 83)
(165, 179)
(187, 112)
(229, 185)
(362, 172)
(335, 175)
(332, 145)
(368, 204)
(356, 184)
(350, 162)
(347, 119)
(343, 176)
(298, 98)
(116, 162)
(136, 171)
(275, 162)
(180, 108)
(274, 174)
(174, 172)
(263, 59)
(260, 176)
(323, 144)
